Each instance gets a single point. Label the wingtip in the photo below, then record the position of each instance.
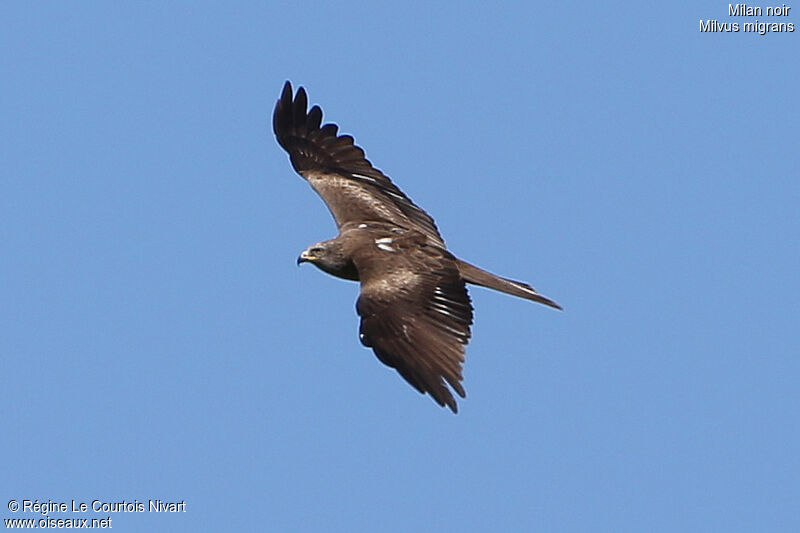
(290, 116)
(301, 97)
(286, 95)
(288, 98)
(280, 120)
(450, 401)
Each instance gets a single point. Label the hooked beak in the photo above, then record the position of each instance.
(303, 258)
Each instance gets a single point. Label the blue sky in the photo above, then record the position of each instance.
(158, 342)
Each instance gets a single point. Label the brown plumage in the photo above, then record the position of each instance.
(414, 307)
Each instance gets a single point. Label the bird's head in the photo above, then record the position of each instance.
(312, 254)
(329, 257)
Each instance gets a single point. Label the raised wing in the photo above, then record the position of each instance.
(415, 312)
(337, 169)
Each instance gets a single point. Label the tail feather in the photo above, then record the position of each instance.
(478, 276)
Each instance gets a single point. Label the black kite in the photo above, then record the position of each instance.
(414, 307)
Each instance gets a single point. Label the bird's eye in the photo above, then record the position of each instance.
(316, 250)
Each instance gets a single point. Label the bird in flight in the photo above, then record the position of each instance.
(414, 307)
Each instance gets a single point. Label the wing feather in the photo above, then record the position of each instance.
(329, 160)
(416, 315)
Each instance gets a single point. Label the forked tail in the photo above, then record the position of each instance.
(478, 276)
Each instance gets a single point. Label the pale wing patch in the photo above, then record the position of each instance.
(383, 244)
(363, 177)
(441, 303)
(347, 199)
(403, 280)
